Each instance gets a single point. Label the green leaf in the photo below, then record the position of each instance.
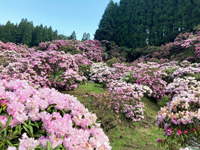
(39, 147)
(2, 130)
(48, 145)
(58, 147)
(17, 144)
(9, 143)
(37, 124)
(20, 129)
(26, 129)
(5, 134)
(182, 138)
(1, 137)
(9, 136)
(8, 122)
(1, 125)
(162, 144)
(30, 127)
(1, 144)
(25, 124)
(15, 132)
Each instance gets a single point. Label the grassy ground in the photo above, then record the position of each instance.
(128, 135)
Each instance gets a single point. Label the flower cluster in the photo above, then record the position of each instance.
(115, 102)
(185, 71)
(50, 111)
(100, 72)
(130, 96)
(180, 118)
(17, 48)
(151, 75)
(173, 50)
(91, 49)
(81, 60)
(48, 68)
(180, 85)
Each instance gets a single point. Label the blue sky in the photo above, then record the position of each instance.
(65, 16)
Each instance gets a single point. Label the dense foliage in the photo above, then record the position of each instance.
(25, 32)
(135, 24)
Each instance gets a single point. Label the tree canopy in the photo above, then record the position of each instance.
(27, 33)
(135, 24)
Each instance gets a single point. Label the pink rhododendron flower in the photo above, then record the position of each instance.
(169, 131)
(159, 140)
(185, 131)
(3, 120)
(11, 148)
(179, 132)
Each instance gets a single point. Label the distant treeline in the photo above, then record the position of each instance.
(31, 35)
(27, 33)
(138, 23)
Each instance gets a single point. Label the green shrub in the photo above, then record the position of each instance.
(154, 60)
(169, 77)
(163, 102)
(196, 75)
(112, 61)
(130, 77)
(84, 70)
(69, 49)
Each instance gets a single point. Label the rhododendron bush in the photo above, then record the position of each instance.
(91, 49)
(184, 44)
(31, 117)
(100, 72)
(126, 98)
(148, 74)
(49, 68)
(180, 118)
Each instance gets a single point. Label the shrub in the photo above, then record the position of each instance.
(84, 70)
(163, 102)
(45, 118)
(112, 61)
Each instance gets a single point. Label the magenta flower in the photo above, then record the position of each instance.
(185, 131)
(159, 140)
(179, 132)
(3, 102)
(169, 131)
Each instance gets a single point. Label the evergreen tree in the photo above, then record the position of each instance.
(135, 23)
(10, 31)
(2, 33)
(62, 37)
(38, 35)
(27, 34)
(107, 24)
(50, 33)
(20, 30)
(88, 36)
(72, 36)
(45, 34)
(85, 36)
(55, 35)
